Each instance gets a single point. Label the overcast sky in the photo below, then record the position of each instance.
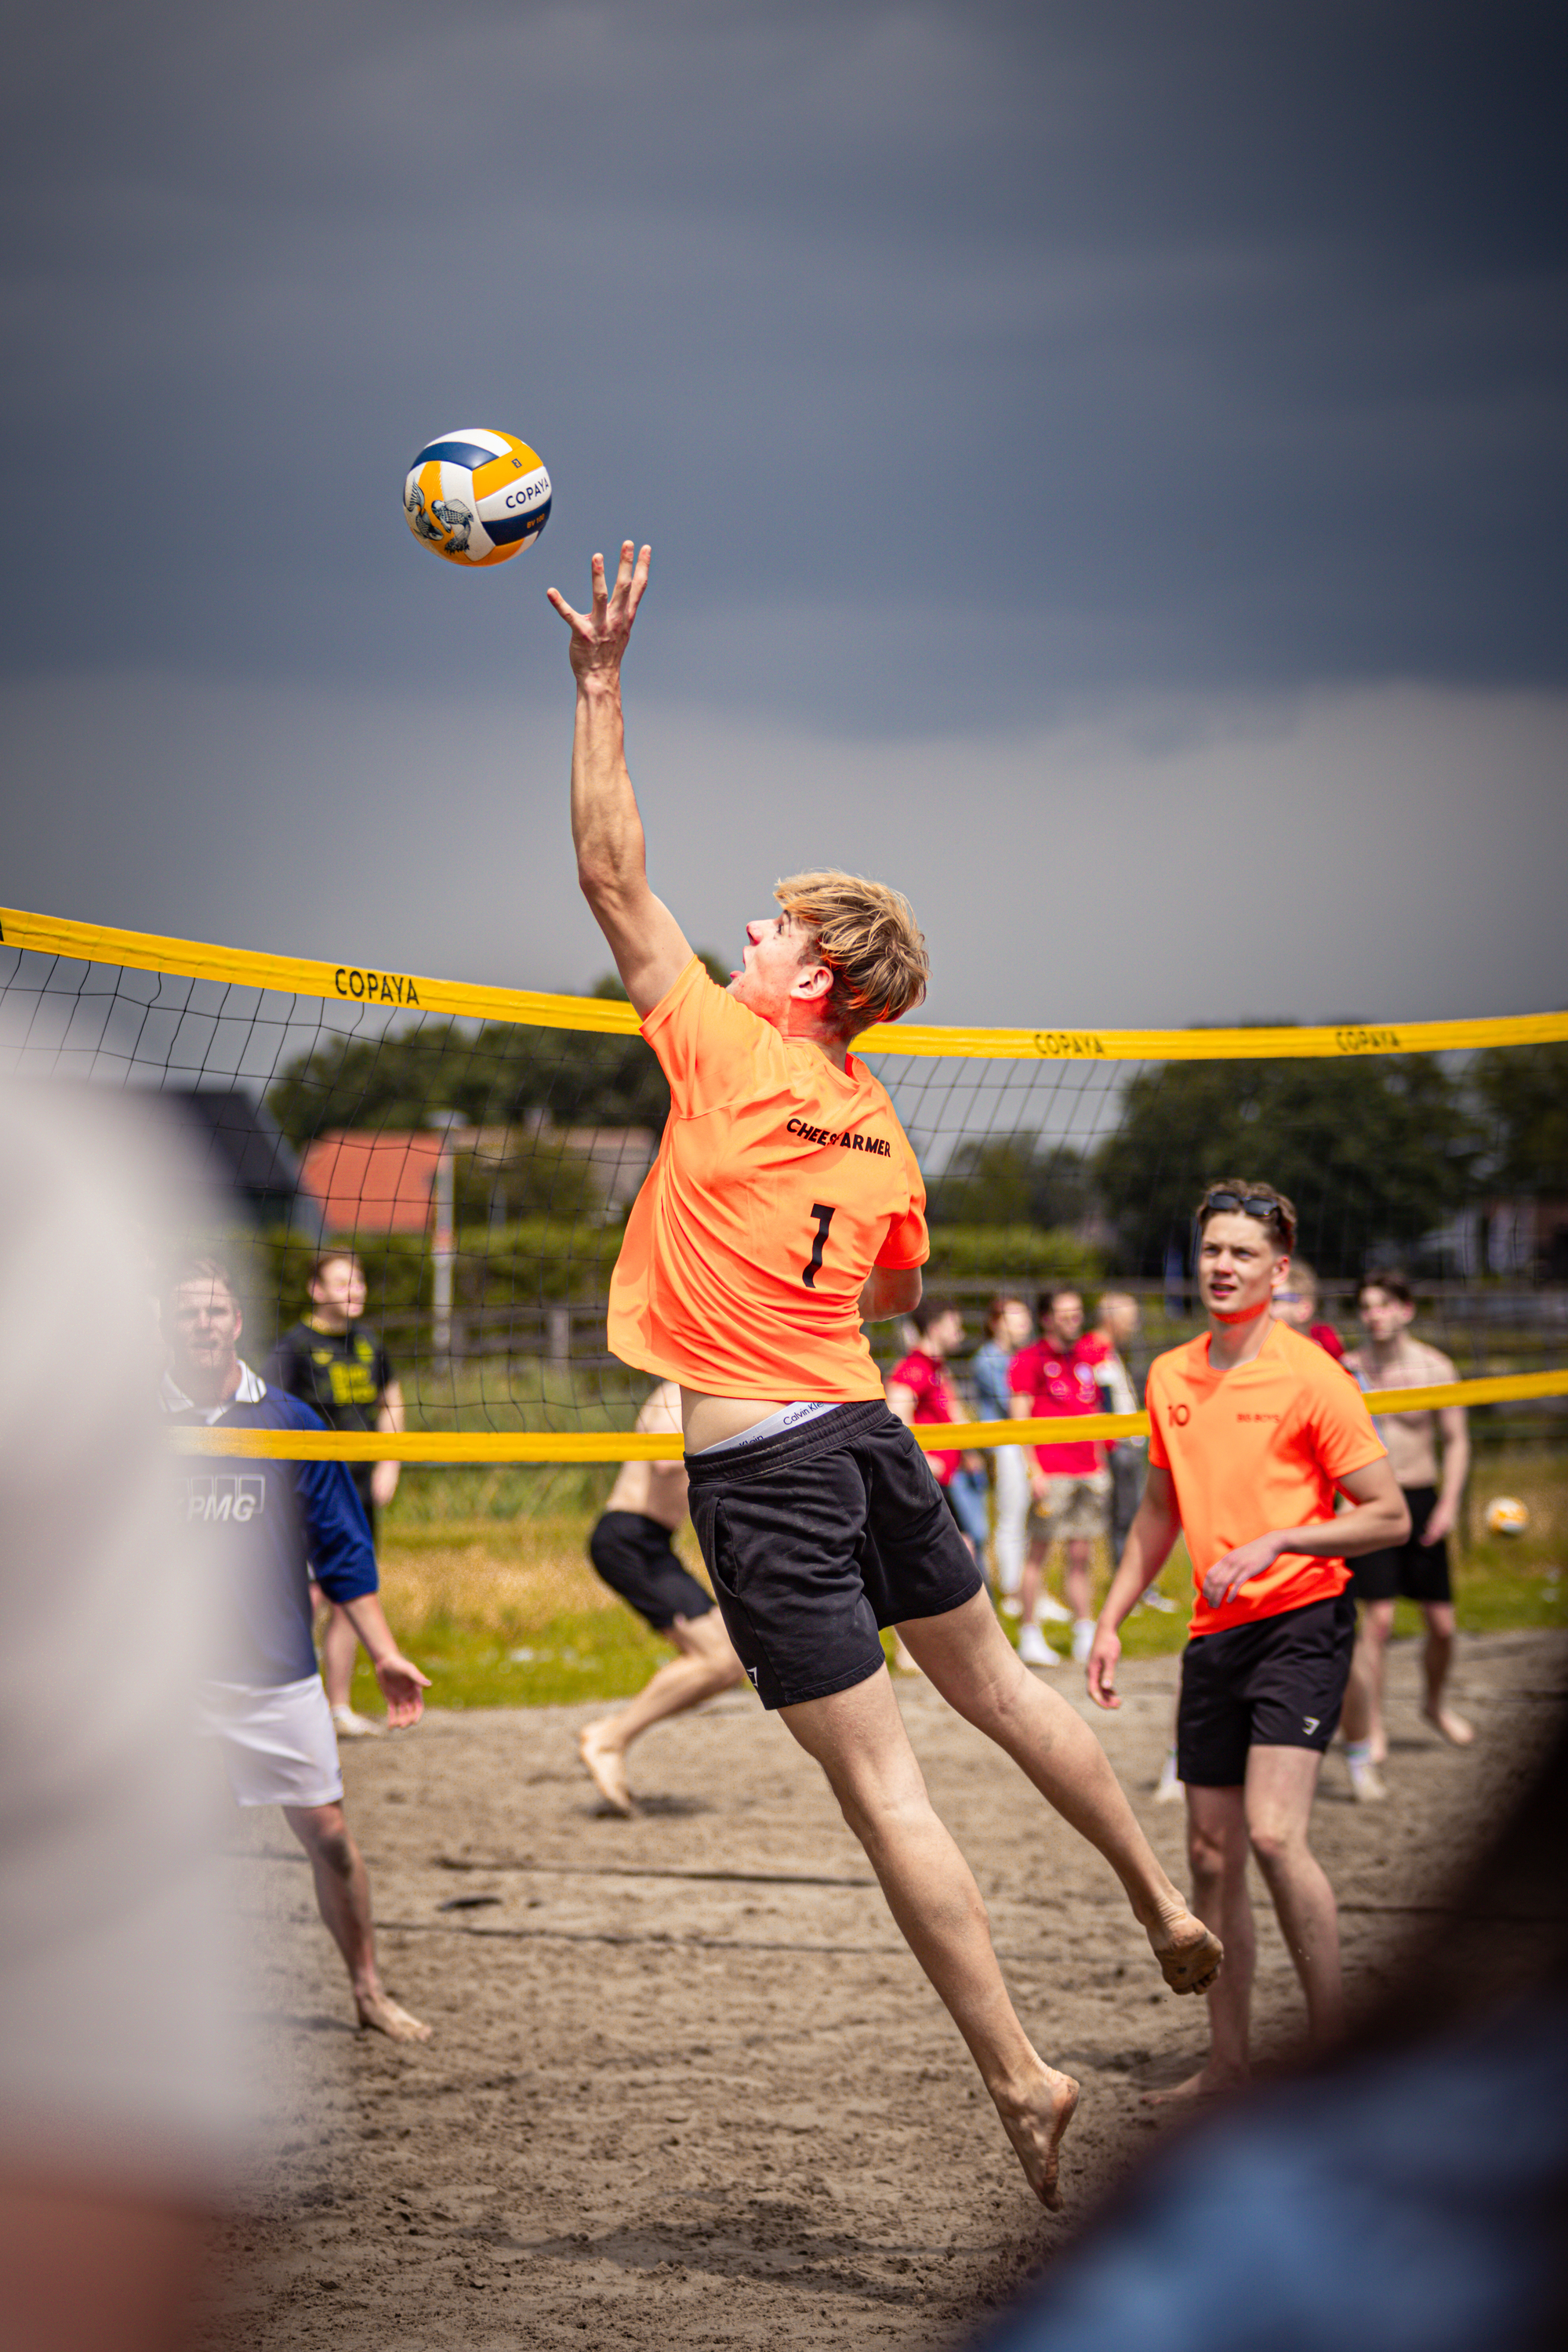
(1105, 465)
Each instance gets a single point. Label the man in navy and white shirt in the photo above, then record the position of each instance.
(270, 1527)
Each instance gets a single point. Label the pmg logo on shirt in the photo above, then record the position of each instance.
(225, 1495)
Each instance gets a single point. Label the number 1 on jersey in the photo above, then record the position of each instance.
(808, 1274)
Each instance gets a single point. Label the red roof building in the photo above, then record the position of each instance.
(373, 1183)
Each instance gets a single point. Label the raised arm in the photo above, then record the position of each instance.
(648, 943)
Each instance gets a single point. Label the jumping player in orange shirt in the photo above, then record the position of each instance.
(785, 1205)
(1253, 1430)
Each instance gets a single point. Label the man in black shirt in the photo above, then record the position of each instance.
(337, 1366)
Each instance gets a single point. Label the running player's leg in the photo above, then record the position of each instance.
(1280, 1786)
(969, 1659)
(1435, 1664)
(857, 1736)
(1075, 1576)
(342, 1896)
(1366, 1740)
(1217, 1851)
(1029, 1581)
(706, 1665)
(339, 1644)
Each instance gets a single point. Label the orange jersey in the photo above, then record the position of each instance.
(1260, 1447)
(780, 1182)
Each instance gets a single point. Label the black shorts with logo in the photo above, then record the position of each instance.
(1411, 1570)
(817, 1538)
(1276, 1682)
(635, 1556)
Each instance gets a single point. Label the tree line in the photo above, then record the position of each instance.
(1376, 1153)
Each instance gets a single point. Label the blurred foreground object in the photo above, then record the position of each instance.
(118, 2121)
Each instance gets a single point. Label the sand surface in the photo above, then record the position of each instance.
(687, 2087)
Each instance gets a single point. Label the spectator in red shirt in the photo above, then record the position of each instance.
(1296, 1304)
(1071, 1482)
(918, 1390)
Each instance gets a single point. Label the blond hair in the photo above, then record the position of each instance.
(867, 936)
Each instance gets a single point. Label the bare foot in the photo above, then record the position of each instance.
(1210, 2082)
(1454, 1728)
(383, 2015)
(607, 1765)
(1036, 2125)
(1189, 1956)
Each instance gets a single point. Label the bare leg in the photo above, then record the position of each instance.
(857, 1736)
(706, 1665)
(1218, 1851)
(1362, 1715)
(1029, 1582)
(1281, 1785)
(1439, 1657)
(342, 1896)
(969, 1660)
(1075, 1576)
(339, 1643)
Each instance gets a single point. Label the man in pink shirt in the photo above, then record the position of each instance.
(1072, 1484)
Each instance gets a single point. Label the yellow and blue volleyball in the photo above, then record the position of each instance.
(477, 496)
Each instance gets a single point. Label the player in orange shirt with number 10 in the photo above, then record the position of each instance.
(785, 1206)
(1252, 1431)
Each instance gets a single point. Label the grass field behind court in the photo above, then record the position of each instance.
(508, 1612)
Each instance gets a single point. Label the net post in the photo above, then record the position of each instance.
(442, 1251)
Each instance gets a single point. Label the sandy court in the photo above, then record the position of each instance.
(687, 2087)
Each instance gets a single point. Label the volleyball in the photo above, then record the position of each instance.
(477, 496)
(1507, 1516)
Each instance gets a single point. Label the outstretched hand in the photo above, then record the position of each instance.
(403, 1687)
(599, 637)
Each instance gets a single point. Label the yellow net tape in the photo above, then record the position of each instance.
(610, 1445)
(352, 984)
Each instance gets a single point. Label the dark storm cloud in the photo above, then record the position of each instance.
(957, 360)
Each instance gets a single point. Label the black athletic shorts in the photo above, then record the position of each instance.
(1412, 1570)
(637, 1559)
(1278, 1682)
(817, 1538)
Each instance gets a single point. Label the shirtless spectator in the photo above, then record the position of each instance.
(1390, 1358)
(1296, 1304)
(631, 1548)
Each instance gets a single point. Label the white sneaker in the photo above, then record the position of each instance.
(1167, 1788)
(1035, 1650)
(350, 1726)
(1082, 1640)
(1053, 1612)
(1367, 1784)
(1155, 1599)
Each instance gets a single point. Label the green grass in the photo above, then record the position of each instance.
(508, 1612)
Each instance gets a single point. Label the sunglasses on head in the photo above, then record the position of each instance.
(1248, 1204)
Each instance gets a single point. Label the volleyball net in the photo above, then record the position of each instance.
(479, 1148)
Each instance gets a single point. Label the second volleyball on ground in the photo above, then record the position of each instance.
(477, 496)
